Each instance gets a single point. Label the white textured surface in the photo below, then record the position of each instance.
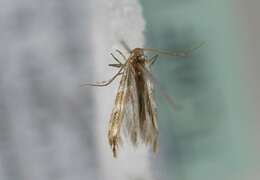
(114, 21)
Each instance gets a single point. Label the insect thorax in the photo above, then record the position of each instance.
(137, 56)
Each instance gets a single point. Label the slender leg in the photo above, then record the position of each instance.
(104, 83)
(162, 91)
(121, 54)
(115, 65)
(153, 60)
(117, 60)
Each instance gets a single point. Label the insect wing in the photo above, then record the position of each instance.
(163, 93)
(150, 131)
(131, 119)
(115, 123)
(152, 113)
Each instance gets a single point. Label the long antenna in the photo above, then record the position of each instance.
(180, 53)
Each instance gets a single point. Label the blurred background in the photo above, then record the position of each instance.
(214, 135)
(52, 129)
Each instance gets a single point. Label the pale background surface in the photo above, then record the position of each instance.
(215, 135)
(46, 128)
(50, 128)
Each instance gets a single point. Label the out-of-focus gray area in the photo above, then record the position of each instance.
(213, 135)
(50, 127)
(46, 125)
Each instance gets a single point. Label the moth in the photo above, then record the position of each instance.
(134, 114)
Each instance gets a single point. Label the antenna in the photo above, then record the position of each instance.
(180, 53)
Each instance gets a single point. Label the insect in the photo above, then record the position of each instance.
(134, 113)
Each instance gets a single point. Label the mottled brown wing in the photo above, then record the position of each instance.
(131, 118)
(150, 131)
(140, 118)
(115, 123)
(152, 111)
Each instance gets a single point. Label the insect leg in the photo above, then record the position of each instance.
(104, 83)
(153, 60)
(117, 60)
(115, 65)
(167, 97)
(121, 54)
